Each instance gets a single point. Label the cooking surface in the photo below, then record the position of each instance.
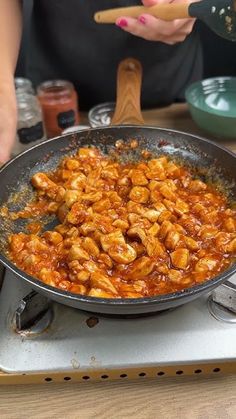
(188, 334)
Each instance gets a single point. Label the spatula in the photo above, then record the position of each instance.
(219, 15)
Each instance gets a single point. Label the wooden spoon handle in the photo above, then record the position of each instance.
(162, 11)
(128, 93)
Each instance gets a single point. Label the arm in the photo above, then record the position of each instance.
(10, 36)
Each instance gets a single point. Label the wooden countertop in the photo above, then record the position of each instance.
(182, 397)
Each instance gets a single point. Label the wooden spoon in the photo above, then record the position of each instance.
(219, 15)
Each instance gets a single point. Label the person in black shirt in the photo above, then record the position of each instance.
(66, 43)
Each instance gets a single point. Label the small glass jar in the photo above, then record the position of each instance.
(101, 115)
(59, 103)
(30, 129)
(23, 85)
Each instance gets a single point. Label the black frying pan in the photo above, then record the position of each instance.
(204, 156)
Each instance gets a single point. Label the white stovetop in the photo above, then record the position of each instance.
(188, 334)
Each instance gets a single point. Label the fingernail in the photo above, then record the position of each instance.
(122, 23)
(142, 19)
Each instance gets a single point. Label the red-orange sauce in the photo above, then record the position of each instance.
(126, 230)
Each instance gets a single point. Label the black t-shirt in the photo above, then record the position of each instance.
(65, 42)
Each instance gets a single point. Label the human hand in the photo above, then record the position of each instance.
(154, 29)
(8, 121)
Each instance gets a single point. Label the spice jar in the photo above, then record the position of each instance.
(23, 85)
(29, 125)
(59, 104)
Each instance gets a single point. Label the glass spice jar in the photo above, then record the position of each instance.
(59, 103)
(23, 85)
(30, 129)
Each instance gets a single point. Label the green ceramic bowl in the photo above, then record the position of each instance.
(212, 103)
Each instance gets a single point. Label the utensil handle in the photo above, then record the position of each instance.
(162, 11)
(128, 93)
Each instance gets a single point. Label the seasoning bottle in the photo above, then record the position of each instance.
(23, 85)
(59, 103)
(30, 129)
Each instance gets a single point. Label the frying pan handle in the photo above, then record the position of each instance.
(129, 79)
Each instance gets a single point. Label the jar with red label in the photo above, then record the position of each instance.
(59, 102)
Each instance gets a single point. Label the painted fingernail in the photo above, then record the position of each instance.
(142, 19)
(122, 23)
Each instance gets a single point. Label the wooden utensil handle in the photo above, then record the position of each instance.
(162, 11)
(128, 93)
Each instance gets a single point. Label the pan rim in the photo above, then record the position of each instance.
(125, 302)
(108, 128)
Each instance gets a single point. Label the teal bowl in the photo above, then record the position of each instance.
(212, 104)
